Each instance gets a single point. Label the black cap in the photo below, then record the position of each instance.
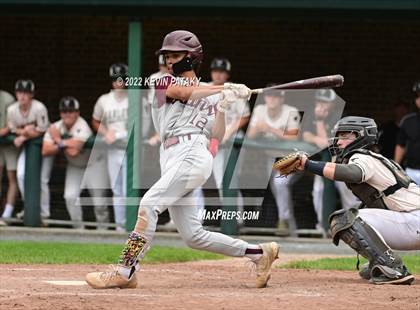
(26, 86)
(118, 70)
(68, 104)
(325, 95)
(221, 64)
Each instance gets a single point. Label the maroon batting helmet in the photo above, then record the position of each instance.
(183, 41)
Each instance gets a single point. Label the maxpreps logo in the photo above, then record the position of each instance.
(229, 215)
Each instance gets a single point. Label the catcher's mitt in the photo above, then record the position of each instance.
(289, 164)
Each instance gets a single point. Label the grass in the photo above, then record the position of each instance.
(347, 263)
(25, 252)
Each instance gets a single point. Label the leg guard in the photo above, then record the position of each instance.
(362, 238)
(134, 250)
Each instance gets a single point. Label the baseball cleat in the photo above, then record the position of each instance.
(110, 279)
(270, 254)
(386, 275)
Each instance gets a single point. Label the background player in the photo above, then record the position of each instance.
(182, 111)
(408, 140)
(277, 121)
(69, 135)
(110, 117)
(28, 119)
(237, 118)
(391, 217)
(8, 156)
(318, 133)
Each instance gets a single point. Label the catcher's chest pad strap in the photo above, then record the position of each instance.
(370, 196)
(341, 220)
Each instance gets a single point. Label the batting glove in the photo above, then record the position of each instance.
(240, 90)
(227, 98)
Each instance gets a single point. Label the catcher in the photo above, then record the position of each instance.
(389, 216)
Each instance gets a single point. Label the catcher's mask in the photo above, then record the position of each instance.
(363, 128)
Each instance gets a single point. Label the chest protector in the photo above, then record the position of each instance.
(369, 195)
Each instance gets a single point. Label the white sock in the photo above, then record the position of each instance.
(253, 256)
(8, 210)
(124, 271)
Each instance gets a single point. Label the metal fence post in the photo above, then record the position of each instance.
(230, 227)
(32, 201)
(134, 118)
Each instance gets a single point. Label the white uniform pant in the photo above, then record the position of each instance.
(78, 178)
(348, 200)
(117, 171)
(414, 174)
(281, 188)
(47, 164)
(400, 230)
(184, 167)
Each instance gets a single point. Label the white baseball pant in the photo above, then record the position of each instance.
(184, 167)
(78, 178)
(414, 174)
(117, 171)
(47, 164)
(400, 230)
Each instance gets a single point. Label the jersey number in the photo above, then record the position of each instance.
(200, 122)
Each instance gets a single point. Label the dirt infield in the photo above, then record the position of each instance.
(226, 284)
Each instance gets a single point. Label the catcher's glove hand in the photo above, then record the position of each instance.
(289, 164)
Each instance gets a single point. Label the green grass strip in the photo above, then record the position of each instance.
(27, 252)
(347, 263)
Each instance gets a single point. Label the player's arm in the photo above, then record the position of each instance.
(185, 93)
(4, 131)
(49, 148)
(399, 153)
(219, 126)
(290, 135)
(400, 147)
(72, 147)
(350, 173)
(30, 132)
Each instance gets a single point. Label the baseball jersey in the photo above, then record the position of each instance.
(79, 131)
(287, 119)
(174, 118)
(377, 175)
(36, 115)
(6, 100)
(111, 109)
(147, 107)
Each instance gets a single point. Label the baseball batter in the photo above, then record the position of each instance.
(28, 119)
(180, 115)
(390, 219)
(69, 135)
(110, 117)
(8, 156)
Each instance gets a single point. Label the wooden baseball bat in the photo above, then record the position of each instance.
(328, 81)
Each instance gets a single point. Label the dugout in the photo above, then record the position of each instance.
(67, 46)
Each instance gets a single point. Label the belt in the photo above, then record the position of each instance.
(174, 140)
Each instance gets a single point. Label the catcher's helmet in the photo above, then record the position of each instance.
(325, 95)
(118, 70)
(365, 130)
(26, 86)
(221, 64)
(68, 104)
